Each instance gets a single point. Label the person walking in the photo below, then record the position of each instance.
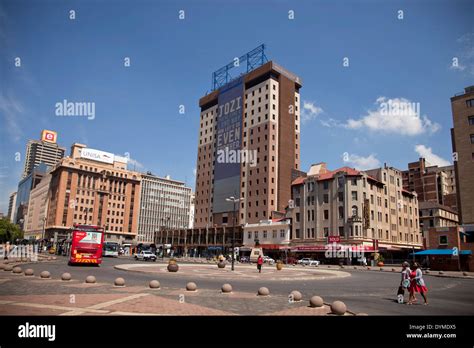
(7, 250)
(417, 284)
(405, 281)
(259, 263)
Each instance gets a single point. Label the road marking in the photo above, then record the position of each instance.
(61, 308)
(120, 300)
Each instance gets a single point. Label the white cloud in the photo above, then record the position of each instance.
(194, 171)
(397, 115)
(430, 157)
(134, 164)
(360, 162)
(12, 111)
(310, 111)
(464, 60)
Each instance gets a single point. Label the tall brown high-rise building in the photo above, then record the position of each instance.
(462, 137)
(249, 147)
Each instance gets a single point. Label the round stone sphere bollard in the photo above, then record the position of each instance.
(465, 274)
(90, 280)
(226, 288)
(316, 301)
(381, 269)
(173, 267)
(338, 307)
(427, 272)
(394, 270)
(119, 282)
(221, 264)
(368, 268)
(29, 272)
(17, 270)
(191, 286)
(154, 284)
(8, 268)
(45, 275)
(50, 258)
(441, 272)
(66, 276)
(296, 296)
(355, 267)
(263, 291)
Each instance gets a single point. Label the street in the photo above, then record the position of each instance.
(363, 291)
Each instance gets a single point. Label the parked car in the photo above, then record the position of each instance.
(268, 260)
(145, 256)
(308, 262)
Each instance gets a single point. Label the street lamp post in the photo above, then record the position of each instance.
(234, 201)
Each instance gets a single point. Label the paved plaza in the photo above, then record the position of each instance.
(363, 291)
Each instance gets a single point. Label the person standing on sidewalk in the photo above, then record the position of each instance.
(259, 263)
(7, 250)
(405, 281)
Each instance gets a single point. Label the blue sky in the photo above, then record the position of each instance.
(405, 60)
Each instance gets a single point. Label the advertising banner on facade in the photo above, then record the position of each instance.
(97, 155)
(228, 145)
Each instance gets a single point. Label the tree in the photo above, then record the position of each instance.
(9, 232)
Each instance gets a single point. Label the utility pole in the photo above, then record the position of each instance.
(234, 201)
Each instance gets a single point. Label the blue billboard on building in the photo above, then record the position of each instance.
(228, 145)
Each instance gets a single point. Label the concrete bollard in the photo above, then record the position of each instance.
(394, 270)
(29, 272)
(355, 267)
(338, 307)
(441, 272)
(381, 269)
(50, 258)
(154, 284)
(263, 291)
(226, 288)
(119, 282)
(368, 268)
(295, 296)
(316, 301)
(8, 268)
(90, 280)
(465, 274)
(45, 275)
(191, 286)
(17, 270)
(66, 276)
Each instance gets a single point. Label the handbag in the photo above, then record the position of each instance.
(406, 283)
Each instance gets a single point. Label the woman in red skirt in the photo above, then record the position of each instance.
(417, 284)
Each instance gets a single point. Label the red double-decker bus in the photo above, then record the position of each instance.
(86, 245)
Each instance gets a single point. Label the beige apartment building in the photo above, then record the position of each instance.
(94, 187)
(462, 138)
(365, 208)
(433, 214)
(37, 209)
(264, 122)
(431, 183)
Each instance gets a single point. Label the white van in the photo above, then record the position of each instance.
(255, 253)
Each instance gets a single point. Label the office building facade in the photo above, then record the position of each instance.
(257, 114)
(462, 138)
(164, 203)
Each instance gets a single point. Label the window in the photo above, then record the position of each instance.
(443, 240)
(340, 196)
(470, 103)
(472, 138)
(249, 235)
(340, 181)
(326, 214)
(354, 210)
(471, 120)
(325, 185)
(354, 195)
(326, 231)
(341, 213)
(325, 198)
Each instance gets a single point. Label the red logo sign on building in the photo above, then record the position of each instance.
(334, 239)
(49, 136)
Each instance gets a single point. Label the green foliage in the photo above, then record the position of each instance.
(9, 232)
